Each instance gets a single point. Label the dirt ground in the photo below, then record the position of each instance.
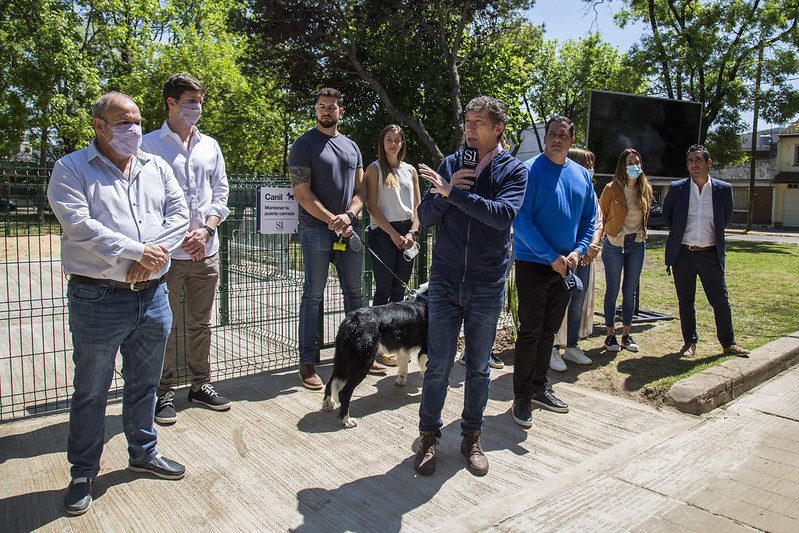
(603, 374)
(25, 247)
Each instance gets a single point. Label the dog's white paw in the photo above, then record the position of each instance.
(349, 422)
(401, 380)
(328, 404)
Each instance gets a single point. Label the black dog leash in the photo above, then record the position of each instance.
(404, 285)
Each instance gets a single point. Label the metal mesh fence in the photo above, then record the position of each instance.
(254, 324)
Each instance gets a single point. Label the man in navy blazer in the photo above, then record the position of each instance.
(696, 210)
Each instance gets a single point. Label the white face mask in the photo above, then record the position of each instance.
(591, 172)
(190, 113)
(126, 140)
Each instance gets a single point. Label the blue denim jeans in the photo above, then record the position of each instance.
(630, 259)
(450, 304)
(103, 321)
(387, 287)
(574, 313)
(317, 254)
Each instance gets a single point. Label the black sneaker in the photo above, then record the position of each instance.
(628, 343)
(79, 496)
(496, 362)
(208, 396)
(161, 467)
(547, 400)
(611, 344)
(165, 413)
(522, 413)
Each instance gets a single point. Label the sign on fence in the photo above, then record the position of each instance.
(277, 210)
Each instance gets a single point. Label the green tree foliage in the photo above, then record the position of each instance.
(560, 77)
(409, 53)
(58, 56)
(707, 51)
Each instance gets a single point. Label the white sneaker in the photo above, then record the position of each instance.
(556, 361)
(576, 355)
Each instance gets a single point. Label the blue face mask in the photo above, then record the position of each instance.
(633, 171)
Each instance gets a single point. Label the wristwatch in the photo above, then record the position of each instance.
(351, 215)
(414, 231)
(209, 230)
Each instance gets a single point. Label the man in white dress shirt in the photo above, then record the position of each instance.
(122, 212)
(696, 210)
(199, 168)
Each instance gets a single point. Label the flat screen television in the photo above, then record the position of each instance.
(659, 128)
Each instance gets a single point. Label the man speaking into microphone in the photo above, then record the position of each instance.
(475, 196)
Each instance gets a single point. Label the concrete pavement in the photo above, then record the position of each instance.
(275, 462)
(736, 469)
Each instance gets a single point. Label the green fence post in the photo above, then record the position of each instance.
(224, 276)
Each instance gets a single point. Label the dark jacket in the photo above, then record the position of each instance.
(675, 213)
(473, 240)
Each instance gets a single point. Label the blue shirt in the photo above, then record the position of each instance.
(107, 219)
(200, 171)
(557, 216)
(333, 162)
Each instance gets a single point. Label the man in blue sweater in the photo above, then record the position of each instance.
(475, 209)
(552, 231)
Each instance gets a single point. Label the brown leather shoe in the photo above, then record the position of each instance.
(734, 349)
(688, 349)
(310, 379)
(425, 460)
(476, 460)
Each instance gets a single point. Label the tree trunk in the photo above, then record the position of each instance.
(751, 209)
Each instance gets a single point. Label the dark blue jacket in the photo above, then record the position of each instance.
(474, 237)
(675, 213)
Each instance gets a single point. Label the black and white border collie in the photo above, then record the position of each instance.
(398, 328)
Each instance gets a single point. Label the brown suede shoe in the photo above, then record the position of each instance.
(476, 460)
(425, 460)
(734, 349)
(688, 350)
(310, 379)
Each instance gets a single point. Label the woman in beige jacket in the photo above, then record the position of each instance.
(625, 204)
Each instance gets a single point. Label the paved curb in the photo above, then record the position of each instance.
(703, 392)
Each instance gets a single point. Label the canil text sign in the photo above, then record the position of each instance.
(277, 210)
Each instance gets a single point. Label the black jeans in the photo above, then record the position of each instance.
(704, 264)
(542, 302)
(387, 287)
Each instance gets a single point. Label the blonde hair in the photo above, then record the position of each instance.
(389, 178)
(642, 187)
(584, 158)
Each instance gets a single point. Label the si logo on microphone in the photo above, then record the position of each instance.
(470, 157)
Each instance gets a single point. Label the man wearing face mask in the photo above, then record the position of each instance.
(192, 279)
(122, 212)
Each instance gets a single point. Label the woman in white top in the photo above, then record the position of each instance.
(392, 198)
(578, 323)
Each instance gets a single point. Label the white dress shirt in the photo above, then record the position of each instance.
(700, 228)
(107, 219)
(200, 170)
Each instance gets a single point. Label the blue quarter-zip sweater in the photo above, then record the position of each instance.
(473, 239)
(558, 213)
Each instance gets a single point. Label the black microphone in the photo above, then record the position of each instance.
(470, 158)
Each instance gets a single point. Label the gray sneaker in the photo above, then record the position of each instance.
(209, 397)
(165, 413)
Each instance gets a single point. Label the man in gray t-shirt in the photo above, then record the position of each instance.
(326, 172)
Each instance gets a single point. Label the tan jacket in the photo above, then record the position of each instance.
(614, 209)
